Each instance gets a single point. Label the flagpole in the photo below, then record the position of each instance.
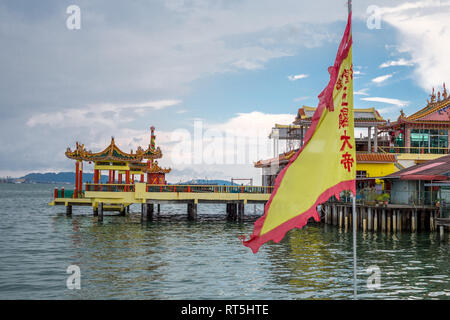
(354, 216)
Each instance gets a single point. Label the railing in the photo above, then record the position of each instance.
(62, 193)
(209, 189)
(179, 188)
(109, 187)
(417, 198)
(416, 150)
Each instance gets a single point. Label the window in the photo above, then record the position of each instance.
(429, 141)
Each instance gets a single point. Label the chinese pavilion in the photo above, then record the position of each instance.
(127, 165)
(424, 132)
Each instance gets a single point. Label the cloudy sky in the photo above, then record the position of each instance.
(211, 75)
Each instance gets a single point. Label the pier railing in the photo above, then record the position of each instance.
(179, 188)
(208, 188)
(408, 197)
(109, 187)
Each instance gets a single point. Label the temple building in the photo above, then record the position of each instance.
(423, 135)
(369, 164)
(388, 147)
(126, 165)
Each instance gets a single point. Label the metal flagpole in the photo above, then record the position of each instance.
(354, 213)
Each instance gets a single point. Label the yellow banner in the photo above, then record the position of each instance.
(324, 167)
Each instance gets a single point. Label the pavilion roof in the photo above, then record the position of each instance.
(360, 115)
(113, 153)
(155, 168)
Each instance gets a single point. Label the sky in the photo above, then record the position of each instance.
(212, 76)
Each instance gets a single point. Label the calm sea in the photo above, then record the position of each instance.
(175, 259)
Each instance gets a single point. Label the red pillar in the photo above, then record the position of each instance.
(120, 178)
(77, 169)
(114, 176)
(127, 179)
(81, 177)
(142, 178)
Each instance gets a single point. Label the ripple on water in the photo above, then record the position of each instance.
(171, 258)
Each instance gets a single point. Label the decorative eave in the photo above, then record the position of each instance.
(112, 153)
(429, 109)
(155, 168)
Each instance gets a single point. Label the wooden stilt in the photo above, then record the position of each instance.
(159, 209)
(340, 216)
(241, 211)
(399, 220)
(68, 210)
(394, 221)
(95, 211)
(441, 233)
(383, 220)
(369, 219)
(192, 211)
(432, 227)
(144, 213)
(413, 221)
(375, 220)
(100, 212)
(150, 211)
(346, 220)
(389, 214)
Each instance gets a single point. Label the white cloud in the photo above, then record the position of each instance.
(424, 28)
(362, 92)
(396, 63)
(102, 114)
(396, 102)
(297, 77)
(381, 79)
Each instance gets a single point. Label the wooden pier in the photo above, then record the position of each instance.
(369, 218)
(385, 218)
(106, 197)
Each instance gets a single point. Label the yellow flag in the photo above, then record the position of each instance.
(324, 166)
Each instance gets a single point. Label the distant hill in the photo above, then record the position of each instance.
(61, 177)
(69, 177)
(208, 182)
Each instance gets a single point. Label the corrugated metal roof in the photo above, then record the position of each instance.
(424, 171)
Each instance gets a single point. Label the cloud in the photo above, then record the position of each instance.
(396, 102)
(102, 114)
(297, 77)
(362, 92)
(301, 98)
(381, 79)
(396, 63)
(424, 34)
